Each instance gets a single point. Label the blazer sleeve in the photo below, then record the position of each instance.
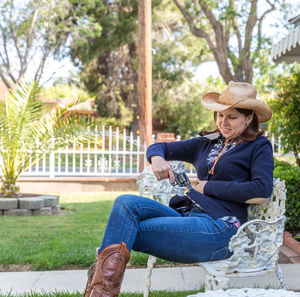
(178, 150)
(260, 185)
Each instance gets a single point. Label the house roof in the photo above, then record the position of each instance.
(88, 105)
(288, 48)
(295, 20)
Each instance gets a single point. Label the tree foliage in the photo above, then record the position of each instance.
(176, 55)
(285, 121)
(183, 116)
(106, 59)
(109, 62)
(31, 32)
(233, 31)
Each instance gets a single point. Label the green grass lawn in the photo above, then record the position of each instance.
(152, 294)
(62, 241)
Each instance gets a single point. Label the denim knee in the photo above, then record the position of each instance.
(126, 200)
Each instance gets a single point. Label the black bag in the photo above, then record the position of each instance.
(180, 203)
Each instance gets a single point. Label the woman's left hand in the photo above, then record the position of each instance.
(199, 187)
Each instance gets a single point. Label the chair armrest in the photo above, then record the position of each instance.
(256, 245)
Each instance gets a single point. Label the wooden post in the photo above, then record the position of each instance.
(144, 71)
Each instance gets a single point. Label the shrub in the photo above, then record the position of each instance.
(291, 175)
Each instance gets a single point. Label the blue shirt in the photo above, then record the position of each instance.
(244, 172)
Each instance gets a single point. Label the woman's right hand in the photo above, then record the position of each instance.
(162, 169)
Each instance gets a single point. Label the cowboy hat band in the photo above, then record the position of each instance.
(237, 95)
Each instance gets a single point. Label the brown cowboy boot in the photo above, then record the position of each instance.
(106, 276)
(90, 274)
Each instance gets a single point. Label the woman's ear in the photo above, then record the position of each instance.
(249, 119)
(248, 122)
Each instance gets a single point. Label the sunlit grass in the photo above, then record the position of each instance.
(63, 241)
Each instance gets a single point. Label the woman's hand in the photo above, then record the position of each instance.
(199, 187)
(162, 169)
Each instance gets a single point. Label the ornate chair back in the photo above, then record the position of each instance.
(162, 190)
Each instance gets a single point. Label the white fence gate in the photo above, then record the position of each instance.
(113, 154)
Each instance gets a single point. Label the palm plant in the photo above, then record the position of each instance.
(25, 132)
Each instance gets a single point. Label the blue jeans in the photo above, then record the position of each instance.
(148, 226)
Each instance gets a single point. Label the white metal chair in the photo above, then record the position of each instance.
(255, 246)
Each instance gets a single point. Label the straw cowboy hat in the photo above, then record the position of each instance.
(237, 95)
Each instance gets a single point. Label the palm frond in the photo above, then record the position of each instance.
(24, 132)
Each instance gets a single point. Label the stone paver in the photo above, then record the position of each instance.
(31, 203)
(56, 209)
(8, 203)
(44, 211)
(51, 201)
(18, 212)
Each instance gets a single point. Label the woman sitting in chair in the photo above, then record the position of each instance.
(234, 166)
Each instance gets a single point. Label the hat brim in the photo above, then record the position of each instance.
(262, 111)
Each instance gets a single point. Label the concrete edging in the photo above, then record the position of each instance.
(35, 205)
(43, 185)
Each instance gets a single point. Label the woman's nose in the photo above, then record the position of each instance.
(225, 121)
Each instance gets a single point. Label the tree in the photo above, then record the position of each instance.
(25, 132)
(31, 32)
(232, 31)
(108, 62)
(182, 112)
(176, 54)
(285, 121)
(106, 57)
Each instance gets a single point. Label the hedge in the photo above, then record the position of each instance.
(291, 175)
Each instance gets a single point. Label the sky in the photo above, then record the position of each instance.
(57, 69)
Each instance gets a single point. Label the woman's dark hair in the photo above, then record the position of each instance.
(251, 132)
(253, 129)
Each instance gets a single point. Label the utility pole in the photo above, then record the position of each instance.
(145, 71)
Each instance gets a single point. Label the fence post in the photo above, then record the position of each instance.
(52, 159)
(117, 150)
(124, 150)
(52, 164)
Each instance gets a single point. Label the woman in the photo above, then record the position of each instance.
(234, 167)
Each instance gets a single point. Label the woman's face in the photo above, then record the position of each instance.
(231, 123)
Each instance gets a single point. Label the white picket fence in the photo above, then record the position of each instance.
(113, 154)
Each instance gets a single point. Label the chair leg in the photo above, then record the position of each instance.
(281, 277)
(213, 282)
(208, 283)
(150, 264)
